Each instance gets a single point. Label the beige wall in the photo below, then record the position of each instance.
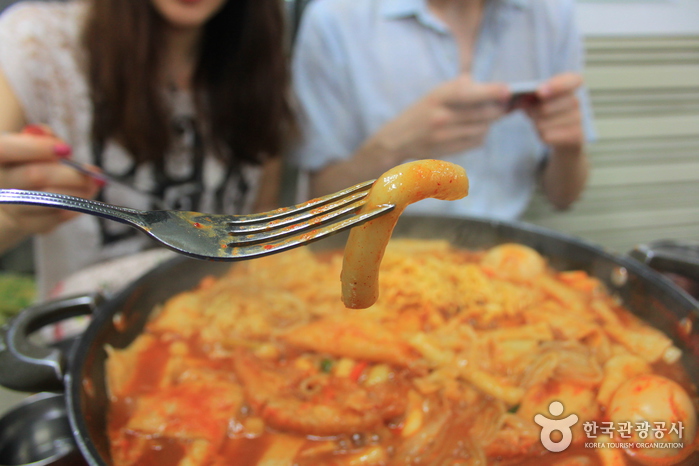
(644, 183)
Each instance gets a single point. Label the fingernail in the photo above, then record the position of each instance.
(100, 182)
(35, 130)
(62, 150)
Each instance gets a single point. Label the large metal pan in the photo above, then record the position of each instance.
(118, 321)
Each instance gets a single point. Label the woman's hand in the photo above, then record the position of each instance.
(30, 160)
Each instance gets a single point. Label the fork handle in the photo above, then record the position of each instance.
(62, 201)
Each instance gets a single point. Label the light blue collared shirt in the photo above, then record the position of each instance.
(359, 63)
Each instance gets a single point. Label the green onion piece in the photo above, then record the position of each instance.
(326, 365)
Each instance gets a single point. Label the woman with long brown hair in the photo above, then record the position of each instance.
(184, 100)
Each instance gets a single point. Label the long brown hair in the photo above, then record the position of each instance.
(240, 82)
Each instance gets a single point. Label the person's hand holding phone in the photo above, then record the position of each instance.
(522, 95)
(556, 112)
(558, 119)
(452, 118)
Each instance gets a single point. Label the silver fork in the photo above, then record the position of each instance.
(225, 237)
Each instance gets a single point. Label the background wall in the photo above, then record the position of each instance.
(643, 73)
(638, 17)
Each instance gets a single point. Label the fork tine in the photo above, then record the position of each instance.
(280, 229)
(360, 190)
(302, 215)
(279, 245)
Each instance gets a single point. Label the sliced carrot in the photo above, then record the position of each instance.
(358, 369)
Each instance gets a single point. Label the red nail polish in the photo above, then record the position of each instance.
(62, 150)
(100, 182)
(35, 130)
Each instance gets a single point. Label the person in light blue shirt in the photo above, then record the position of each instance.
(382, 82)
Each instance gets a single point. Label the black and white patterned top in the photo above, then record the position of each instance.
(41, 56)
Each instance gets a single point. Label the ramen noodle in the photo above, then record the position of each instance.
(463, 349)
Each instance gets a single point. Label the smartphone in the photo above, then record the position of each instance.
(523, 94)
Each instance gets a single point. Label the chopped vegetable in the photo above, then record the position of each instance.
(358, 369)
(415, 416)
(326, 365)
(380, 373)
(344, 366)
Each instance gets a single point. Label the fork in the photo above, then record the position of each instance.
(225, 237)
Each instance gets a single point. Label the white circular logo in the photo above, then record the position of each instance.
(548, 426)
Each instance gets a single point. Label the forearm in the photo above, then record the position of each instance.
(565, 176)
(10, 234)
(11, 113)
(11, 120)
(8, 241)
(368, 162)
